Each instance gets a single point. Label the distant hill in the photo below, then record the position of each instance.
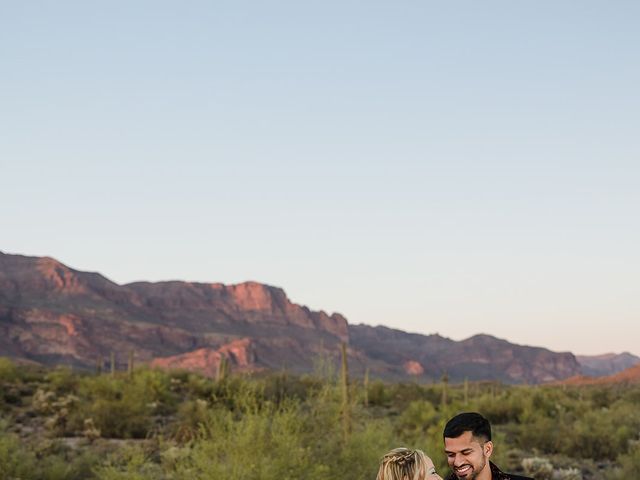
(479, 357)
(606, 364)
(53, 314)
(630, 375)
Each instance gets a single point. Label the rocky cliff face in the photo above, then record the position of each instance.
(240, 354)
(249, 304)
(53, 314)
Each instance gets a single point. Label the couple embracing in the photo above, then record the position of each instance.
(468, 446)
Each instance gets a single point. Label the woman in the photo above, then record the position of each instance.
(405, 464)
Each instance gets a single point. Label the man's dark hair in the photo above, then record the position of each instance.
(468, 422)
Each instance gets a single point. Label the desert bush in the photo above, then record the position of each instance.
(405, 393)
(538, 468)
(279, 426)
(255, 446)
(9, 375)
(414, 422)
(289, 441)
(192, 385)
(129, 464)
(69, 466)
(15, 461)
(62, 380)
(44, 462)
(280, 386)
(506, 407)
(378, 394)
(8, 371)
(191, 415)
(123, 407)
(628, 464)
(566, 474)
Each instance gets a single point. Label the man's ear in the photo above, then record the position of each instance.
(488, 448)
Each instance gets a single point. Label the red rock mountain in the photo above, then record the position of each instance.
(53, 314)
(206, 360)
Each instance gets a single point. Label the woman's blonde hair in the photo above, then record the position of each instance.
(403, 464)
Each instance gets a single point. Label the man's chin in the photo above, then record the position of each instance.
(465, 473)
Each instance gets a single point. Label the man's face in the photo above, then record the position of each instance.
(468, 456)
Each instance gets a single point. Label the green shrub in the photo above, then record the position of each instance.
(62, 380)
(628, 464)
(8, 371)
(15, 461)
(414, 422)
(124, 407)
(129, 464)
(538, 468)
(378, 394)
(279, 426)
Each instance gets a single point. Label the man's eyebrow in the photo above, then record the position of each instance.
(464, 451)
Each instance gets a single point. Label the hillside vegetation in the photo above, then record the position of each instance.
(150, 424)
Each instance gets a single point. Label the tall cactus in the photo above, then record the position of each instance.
(346, 413)
(130, 363)
(112, 362)
(466, 391)
(445, 388)
(366, 387)
(221, 371)
(282, 384)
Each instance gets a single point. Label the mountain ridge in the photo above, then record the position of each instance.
(606, 364)
(629, 375)
(51, 313)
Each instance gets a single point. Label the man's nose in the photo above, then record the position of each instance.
(458, 460)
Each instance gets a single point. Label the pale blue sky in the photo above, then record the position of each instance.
(452, 167)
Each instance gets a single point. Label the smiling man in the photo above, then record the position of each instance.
(468, 445)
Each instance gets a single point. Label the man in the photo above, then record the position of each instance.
(468, 446)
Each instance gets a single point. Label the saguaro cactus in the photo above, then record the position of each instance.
(346, 413)
(466, 391)
(282, 379)
(130, 363)
(445, 387)
(366, 387)
(113, 363)
(221, 371)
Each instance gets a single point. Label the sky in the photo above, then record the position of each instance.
(438, 167)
